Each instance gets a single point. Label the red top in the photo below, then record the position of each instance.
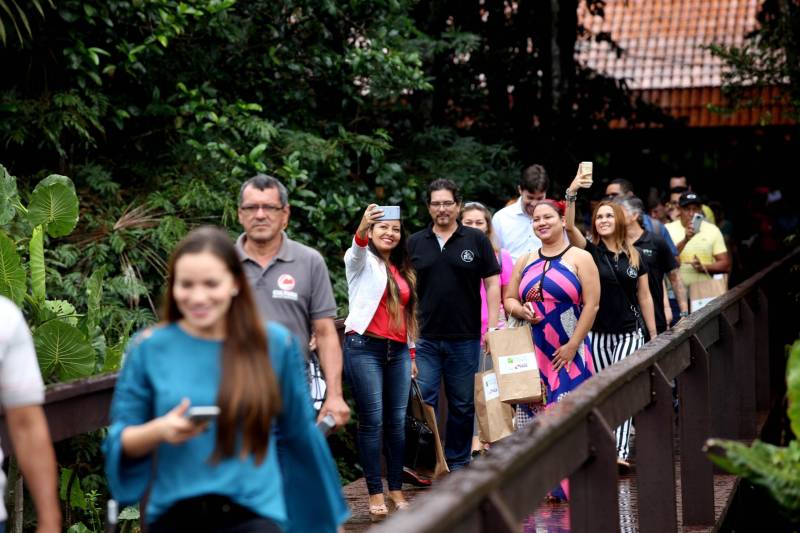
(381, 324)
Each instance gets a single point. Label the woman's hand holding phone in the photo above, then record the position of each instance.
(176, 428)
(583, 178)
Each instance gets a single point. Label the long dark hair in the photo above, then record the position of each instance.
(249, 396)
(400, 259)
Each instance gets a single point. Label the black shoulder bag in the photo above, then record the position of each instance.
(420, 452)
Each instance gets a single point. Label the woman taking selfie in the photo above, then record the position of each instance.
(378, 333)
(624, 296)
(256, 465)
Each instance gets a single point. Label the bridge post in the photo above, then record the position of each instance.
(697, 473)
(655, 458)
(724, 395)
(761, 309)
(745, 362)
(594, 502)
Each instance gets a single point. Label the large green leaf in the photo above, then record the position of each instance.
(76, 496)
(793, 387)
(775, 468)
(8, 196)
(12, 275)
(62, 310)
(37, 264)
(55, 205)
(63, 351)
(94, 297)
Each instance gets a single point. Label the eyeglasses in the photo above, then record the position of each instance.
(252, 209)
(436, 205)
(469, 205)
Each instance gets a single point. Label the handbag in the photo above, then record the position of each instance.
(635, 308)
(316, 381)
(423, 449)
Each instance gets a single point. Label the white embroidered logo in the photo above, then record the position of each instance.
(467, 256)
(632, 272)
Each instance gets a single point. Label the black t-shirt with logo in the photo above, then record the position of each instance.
(656, 254)
(449, 281)
(617, 293)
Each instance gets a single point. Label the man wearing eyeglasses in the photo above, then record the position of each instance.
(290, 281)
(451, 260)
(512, 225)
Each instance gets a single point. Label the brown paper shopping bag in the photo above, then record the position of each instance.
(495, 418)
(702, 292)
(514, 362)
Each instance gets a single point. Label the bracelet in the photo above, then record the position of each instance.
(570, 197)
(684, 314)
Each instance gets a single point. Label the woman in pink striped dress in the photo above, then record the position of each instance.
(557, 289)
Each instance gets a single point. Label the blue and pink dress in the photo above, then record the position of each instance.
(553, 287)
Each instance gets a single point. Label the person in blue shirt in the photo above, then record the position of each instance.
(261, 465)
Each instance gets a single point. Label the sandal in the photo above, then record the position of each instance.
(399, 505)
(378, 512)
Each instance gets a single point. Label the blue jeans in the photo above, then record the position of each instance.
(379, 373)
(457, 362)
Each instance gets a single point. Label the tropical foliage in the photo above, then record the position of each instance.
(775, 468)
(68, 344)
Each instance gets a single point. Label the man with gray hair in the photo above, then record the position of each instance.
(290, 281)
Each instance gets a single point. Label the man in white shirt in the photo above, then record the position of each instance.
(21, 394)
(512, 224)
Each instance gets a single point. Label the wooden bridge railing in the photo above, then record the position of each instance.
(727, 373)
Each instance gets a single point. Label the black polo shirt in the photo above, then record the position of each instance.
(449, 281)
(617, 293)
(656, 254)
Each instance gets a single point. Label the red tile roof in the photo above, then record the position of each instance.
(663, 59)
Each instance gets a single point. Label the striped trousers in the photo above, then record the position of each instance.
(607, 349)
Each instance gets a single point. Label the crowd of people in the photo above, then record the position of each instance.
(242, 320)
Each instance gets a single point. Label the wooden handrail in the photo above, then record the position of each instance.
(572, 440)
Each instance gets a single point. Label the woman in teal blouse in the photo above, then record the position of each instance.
(261, 465)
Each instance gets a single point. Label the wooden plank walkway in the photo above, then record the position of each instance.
(552, 517)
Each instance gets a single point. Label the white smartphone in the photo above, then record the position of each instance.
(202, 413)
(390, 212)
(697, 221)
(586, 169)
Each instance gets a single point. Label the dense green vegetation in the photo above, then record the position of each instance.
(158, 109)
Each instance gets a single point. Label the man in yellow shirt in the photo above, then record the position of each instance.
(679, 184)
(700, 251)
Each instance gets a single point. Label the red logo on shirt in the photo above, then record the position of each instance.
(286, 282)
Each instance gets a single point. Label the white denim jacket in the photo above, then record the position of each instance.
(366, 282)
